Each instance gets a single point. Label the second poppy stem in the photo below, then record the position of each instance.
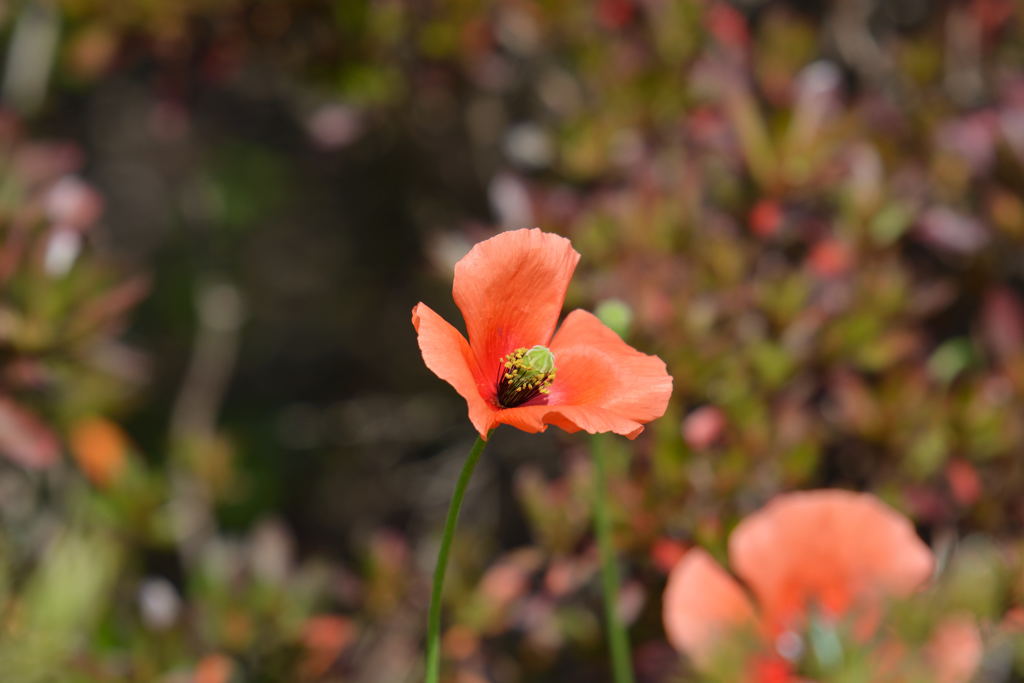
(434, 620)
(618, 639)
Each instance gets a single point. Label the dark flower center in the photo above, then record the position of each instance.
(524, 375)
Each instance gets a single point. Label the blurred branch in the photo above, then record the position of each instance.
(849, 24)
(221, 312)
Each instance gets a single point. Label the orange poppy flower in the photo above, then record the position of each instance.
(834, 551)
(515, 369)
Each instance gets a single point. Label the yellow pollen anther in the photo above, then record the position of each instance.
(524, 374)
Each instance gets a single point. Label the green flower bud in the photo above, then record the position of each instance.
(616, 314)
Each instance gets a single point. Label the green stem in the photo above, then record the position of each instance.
(434, 620)
(618, 639)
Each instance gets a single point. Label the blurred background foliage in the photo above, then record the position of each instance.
(224, 459)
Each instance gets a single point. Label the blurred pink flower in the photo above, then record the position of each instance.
(964, 481)
(334, 125)
(765, 218)
(955, 650)
(728, 26)
(1002, 323)
(504, 582)
(830, 258)
(24, 438)
(73, 203)
(666, 553)
(948, 230)
(703, 427)
(615, 14)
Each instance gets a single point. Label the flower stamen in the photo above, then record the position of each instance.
(523, 375)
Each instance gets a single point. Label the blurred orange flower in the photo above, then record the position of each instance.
(325, 637)
(99, 447)
(214, 668)
(835, 551)
(515, 369)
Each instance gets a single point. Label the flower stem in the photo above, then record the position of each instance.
(618, 639)
(434, 620)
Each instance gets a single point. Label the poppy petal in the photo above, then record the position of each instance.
(601, 384)
(832, 548)
(570, 418)
(702, 603)
(510, 290)
(447, 354)
(596, 368)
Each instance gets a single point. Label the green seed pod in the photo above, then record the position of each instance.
(539, 360)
